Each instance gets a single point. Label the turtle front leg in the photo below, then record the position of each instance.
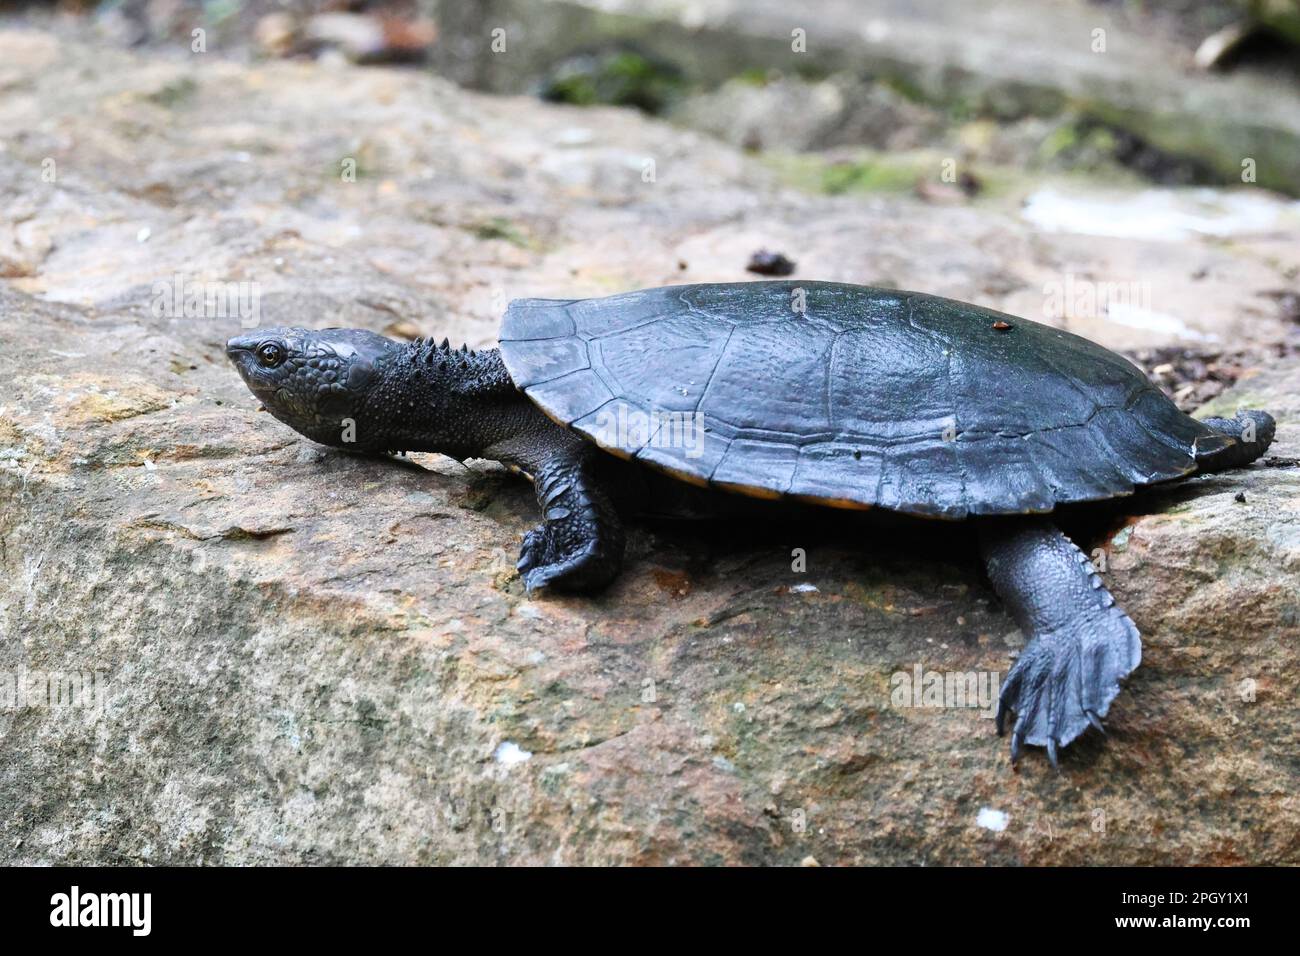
(579, 545)
(1081, 644)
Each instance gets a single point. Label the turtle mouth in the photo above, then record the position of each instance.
(242, 359)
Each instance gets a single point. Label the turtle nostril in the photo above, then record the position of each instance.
(239, 343)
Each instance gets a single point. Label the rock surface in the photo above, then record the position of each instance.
(310, 657)
(1011, 59)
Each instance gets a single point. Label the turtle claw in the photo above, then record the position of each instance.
(1060, 686)
(1017, 745)
(530, 553)
(545, 564)
(1095, 720)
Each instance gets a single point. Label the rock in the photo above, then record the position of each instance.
(235, 647)
(788, 113)
(21, 249)
(1025, 58)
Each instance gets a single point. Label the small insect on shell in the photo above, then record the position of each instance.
(1001, 326)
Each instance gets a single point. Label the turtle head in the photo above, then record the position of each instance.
(318, 382)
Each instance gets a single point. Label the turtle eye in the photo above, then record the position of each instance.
(269, 355)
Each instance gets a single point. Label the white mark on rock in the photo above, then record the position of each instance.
(876, 30)
(803, 589)
(1152, 321)
(994, 820)
(509, 753)
(1158, 214)
(574, 136)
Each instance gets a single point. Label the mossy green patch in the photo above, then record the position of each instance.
(906, 88)
(816, 174)
(498, 227)
(1077, 141)
(753, 77)
(886, 173)
(175, 93)
(619, 78)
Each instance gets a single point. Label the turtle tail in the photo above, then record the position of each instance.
(1234, 442)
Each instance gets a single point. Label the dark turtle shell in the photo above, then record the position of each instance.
(850, 396)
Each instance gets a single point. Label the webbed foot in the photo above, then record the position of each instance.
(1063, 684)
(1082, 645)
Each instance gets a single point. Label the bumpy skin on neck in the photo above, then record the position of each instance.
(460, 403)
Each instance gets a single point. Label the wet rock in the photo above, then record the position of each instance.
(288, 654)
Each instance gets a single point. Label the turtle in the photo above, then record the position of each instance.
(816, 393)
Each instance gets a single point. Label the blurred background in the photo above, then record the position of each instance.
(1166, 91)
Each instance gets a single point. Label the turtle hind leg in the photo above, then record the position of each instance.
(579, 545)
(1251, 433)
(1080, 643)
